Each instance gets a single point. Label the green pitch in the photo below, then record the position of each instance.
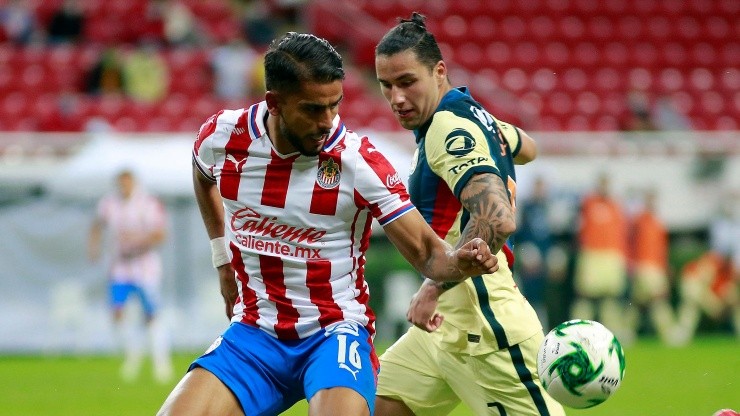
(691, 381)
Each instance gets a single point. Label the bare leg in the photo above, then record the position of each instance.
(338, 401)
(385, 406)
(201, 393)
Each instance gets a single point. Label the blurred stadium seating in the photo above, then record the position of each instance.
(552, 65)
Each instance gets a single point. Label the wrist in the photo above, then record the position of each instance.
(219, 254)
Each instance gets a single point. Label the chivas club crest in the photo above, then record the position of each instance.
(328, 175)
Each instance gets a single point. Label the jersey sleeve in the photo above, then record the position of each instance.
(510, 133)
(378, 185)
(203, 154)
(456, 148)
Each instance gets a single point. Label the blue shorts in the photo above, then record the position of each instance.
(120, 292)
(268, 375)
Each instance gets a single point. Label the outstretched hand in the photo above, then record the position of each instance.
(475, 258)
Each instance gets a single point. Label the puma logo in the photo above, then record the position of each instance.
(346, 367)
(238, 164)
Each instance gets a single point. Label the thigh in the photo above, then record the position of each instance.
(200, 393)
(257, 368)
(341, 370)
(409, 373)
(502, 383)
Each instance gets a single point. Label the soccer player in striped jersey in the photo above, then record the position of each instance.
(287, 193)
(475, 341)
(138, 226)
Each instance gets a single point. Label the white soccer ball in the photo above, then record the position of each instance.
(580, 363)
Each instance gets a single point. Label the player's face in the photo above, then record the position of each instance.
(306, 117)
(412, 90)
(125, 185)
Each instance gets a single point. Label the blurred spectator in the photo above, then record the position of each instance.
(233, 65)
(66, 23)
(146, 74)
(258, 23)
(178, 23)
(711, 283)
(601, 270)
(649, 269)
(106, 76)
(639, 117)
(18, 22)
(668, 117)
(533, 241)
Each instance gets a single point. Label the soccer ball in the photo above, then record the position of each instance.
(580, 363)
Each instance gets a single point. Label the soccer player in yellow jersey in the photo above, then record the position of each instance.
(476, 341)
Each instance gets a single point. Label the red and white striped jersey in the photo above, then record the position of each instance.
(131, 221)
(298, 227)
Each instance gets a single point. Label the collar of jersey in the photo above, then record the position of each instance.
(454, 94)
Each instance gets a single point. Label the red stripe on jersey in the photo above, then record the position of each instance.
(317, 280)
(236, 150)
(206, 129)
(274, 279)
(249, 297)
(277, 177)
(445, 210)
(324, 198)
(509, 256)
(383, 169)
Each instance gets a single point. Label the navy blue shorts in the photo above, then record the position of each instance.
(268, 375)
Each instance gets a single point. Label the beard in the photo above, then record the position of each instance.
(295, 140)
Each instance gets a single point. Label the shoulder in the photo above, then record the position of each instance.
(223, 121)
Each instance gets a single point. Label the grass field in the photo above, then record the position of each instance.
(690, 381)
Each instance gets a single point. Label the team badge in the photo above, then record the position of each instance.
(328, 175)
(459, 143)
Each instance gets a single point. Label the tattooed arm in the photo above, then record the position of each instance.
(491, 214)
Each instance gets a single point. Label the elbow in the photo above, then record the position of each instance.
(507, 228)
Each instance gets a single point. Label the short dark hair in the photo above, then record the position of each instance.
(299, 57)
(411, 34)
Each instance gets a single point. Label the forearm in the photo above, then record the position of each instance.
(491, 214)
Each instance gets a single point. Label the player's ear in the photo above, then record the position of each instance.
(440, 71)
(273, 103)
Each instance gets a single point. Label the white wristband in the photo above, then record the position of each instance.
(219, 255)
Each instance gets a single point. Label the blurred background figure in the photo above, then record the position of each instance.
(233, 64)
(18, 22)
(145, 73)
(710, 284)
(650, 288)
(105, 77)
(137, 226)
(67, 23)
(533, 241)
(600, 279)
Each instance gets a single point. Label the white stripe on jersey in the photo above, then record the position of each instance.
(300, 225)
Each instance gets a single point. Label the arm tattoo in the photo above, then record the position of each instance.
(491, 215)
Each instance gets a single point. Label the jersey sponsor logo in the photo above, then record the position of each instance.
(468, 163)
(392, 180)
(328, 175)
(249, 221)
(459, 143)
